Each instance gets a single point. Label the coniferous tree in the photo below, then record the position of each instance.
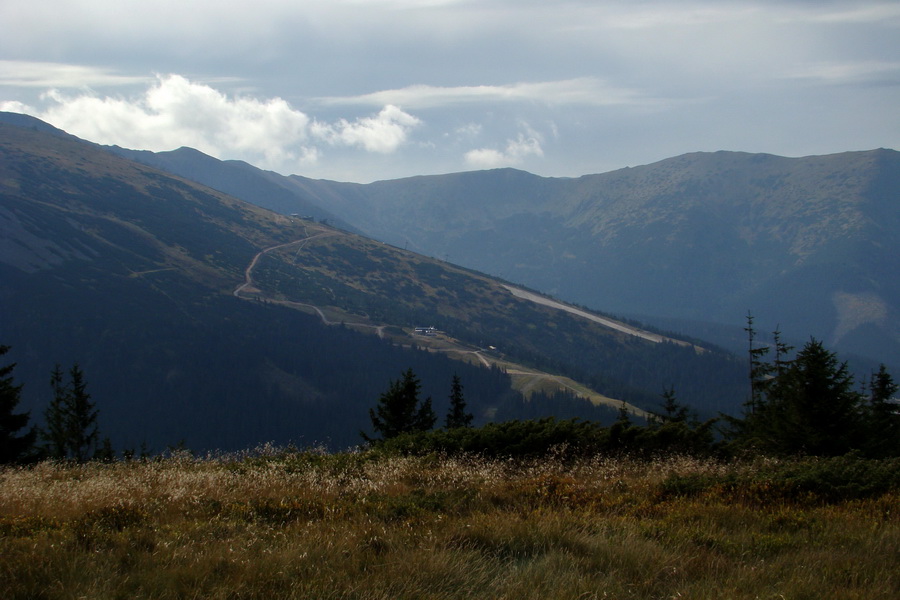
(810, 407)
(399, 410)
(457, 415)
(623, 417)
(105, 452)
(71, 418)
(55, 432)
(425, 416)
(781, 351)
(882, 416)
(13, 447)
(82, 422)
(674, 411)
(759, 369)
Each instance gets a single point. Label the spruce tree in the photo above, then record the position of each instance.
(13, 448)
(882, 416)
(810, 407)
(55, 432)
(71, 418)
(759, 369)
(82, 417)
(457, 415)
(399, 410)
(674, 411)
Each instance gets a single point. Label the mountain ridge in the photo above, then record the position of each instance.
(133, 273)
(804, 242)
(145, 307)
(719, 233)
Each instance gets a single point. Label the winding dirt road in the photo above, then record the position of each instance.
(247, 286)
(248, 291)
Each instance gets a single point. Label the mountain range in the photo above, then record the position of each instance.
(692, 244)
(204, 319)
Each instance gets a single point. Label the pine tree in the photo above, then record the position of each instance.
(82, 417)
(399, 410)
(810, 406)
(882, 416)
(675, 412)
(457, 415)
(55, 432)
(71, 418)
(13, 448)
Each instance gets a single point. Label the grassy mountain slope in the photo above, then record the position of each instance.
(202, 318)
(367, 283)
(810, 243)
(235, 178)
(692, 242)
(131, 273)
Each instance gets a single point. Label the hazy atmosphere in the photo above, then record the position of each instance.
(360, 90)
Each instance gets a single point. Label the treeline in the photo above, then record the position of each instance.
(810, 404)
(553, 341)
(70, 431)
(799, 404)
(803, 404)
(404, 422)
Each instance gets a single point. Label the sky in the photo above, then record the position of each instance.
(363, 90)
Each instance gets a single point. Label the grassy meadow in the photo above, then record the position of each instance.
(274, 524)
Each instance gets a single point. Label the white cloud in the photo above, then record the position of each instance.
(16, 107)
(659, 15)
(469, 130)
(177, 112)
(846, 72)
(382, 133)
(20, 73)
(516, 150)
(590, 91)
(882, 13)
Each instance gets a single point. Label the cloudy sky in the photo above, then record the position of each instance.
(359, 90)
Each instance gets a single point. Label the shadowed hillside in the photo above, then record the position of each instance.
(201, 318)
(692, 242)
(810, 243)
(130, 273)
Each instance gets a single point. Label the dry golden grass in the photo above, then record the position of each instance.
(306, 525)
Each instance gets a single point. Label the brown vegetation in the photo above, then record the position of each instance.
(366, 525)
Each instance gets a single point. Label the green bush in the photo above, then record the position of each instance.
(568, 437)
(510, 438)
(836, 479)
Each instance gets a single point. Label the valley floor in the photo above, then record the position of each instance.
(308, 525)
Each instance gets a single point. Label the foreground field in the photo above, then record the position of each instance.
(304, 525)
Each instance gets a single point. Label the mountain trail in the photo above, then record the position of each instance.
(450, 346)
(248, 286)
